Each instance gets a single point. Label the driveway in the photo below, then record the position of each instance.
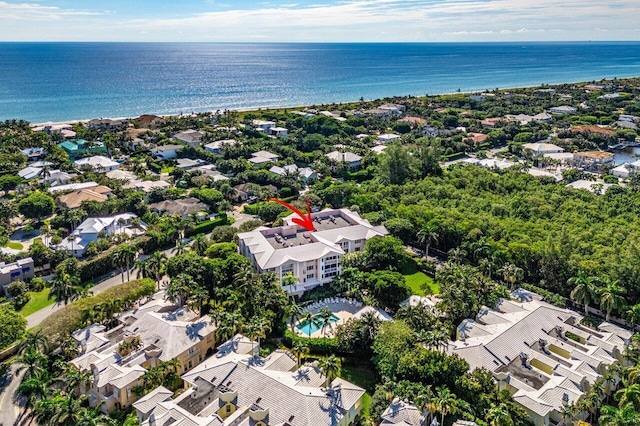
(9, 411)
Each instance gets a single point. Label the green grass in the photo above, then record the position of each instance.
(39, 300)
(419, 282)
(14, 245)
(364, 375)
(166, 170)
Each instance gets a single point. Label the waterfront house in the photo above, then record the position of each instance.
(114, 125)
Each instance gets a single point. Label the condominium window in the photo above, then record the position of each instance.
(310, 268)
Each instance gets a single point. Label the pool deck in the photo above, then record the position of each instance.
(344, 310)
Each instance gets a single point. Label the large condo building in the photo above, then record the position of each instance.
(311, 256)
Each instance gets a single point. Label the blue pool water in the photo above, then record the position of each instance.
(309, 328)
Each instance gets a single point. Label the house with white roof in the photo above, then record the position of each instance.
(540, 353)
(279, 132)
(76, 243)
(354, 160)
(217, 146)
(263, 126)
(564, 109)
(262, 157)
(542, 148)
(166, 152)
(626, 170)
(97, 163)
(155, 332)
(236, 387)
(311, 256)
(403, 413)
(387, 138)
(21, 269)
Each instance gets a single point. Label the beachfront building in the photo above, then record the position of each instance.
(311, 256)
(97, 163)
(236, 387)
(626, 170)
(89, 230)
(540, 353)
(21, 269)
(155, 332)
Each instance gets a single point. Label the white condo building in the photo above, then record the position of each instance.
(311, 256)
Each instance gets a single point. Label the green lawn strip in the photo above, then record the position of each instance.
(39, 300)
(418, 281)
(14, 245)
(166, 169)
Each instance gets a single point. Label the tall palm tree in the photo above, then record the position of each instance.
(153, 267)
(198, 298)
(625, 415)
(69, 412)
(611, 296)
(33, 362)
(325, 316)
(499, 415)
(181, 247)
(330, 367)
(289, 280)
(427, 235)
(180, 288)
(294, 312)
(64, 288)
(511, 274)
(584, 291)
(36, 340)
(299, 349)
(200, 244)
(310, 319)
(444, 402)
(93, 417)
(35, 389)
(629, 395)
(124, 256)
(633, 315)
(75, 379)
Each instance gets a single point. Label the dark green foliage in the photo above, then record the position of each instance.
(13, 326)
(208, 226)
(36, 205)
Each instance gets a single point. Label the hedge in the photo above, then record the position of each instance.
(205, 227)
(317, 346)
(549, 297)
(65, 321)
(102, 263)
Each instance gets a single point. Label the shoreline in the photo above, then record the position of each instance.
(299, 107)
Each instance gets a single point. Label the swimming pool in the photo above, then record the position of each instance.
(308, 327)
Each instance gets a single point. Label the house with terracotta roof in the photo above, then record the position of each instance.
(477, 138)
(492, 122)
(75, 199)
(593, 129)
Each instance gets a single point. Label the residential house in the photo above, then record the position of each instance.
(263, 126)
(626, 170)
(218, 146)
(193, 138)
(489, 163)
(262, 157)
(541, 148)
(395, 109)
(564, 109)
(413, 121)
(524, 119)
(353, 160)
(305, 173)
(97, 163)
(492, 122)
(540, 353)
(236, 387)
(477, 138)
(210, 170)
(596, 187)
(379, 149)
(592, 159)
(387, 138)
(624, 124)
(115, 124)
(75, 199)
(82, 147)
(626, 117)
(278, 132)
(33, 153)
(30, 172)
(56, 178)
(183, 207)
(402, 413)
(155, 332)
(188, 163)
(311, 256)
(148, 121)
(147, 185)
(64, 129)
(593, 129)
(166, 152)
(72, 187)
(90, 229)
(22, 269)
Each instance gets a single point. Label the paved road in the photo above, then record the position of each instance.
(9, 411)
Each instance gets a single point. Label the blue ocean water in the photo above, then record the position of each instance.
(65, 81)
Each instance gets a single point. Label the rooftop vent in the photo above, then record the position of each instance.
(291, 419)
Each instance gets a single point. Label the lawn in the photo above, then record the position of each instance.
(419, 282)
(363, 374)
(39, 300)
(14, 245)
(166, 170)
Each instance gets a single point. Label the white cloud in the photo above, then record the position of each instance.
(353, 20)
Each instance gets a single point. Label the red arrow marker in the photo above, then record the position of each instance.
(305, 220)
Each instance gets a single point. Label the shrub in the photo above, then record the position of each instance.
(37, 284)
(66, 320)
(13, 326)
(207, 226)
(317, 346)
(549, 297)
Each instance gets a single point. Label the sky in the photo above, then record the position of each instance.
(319, 20)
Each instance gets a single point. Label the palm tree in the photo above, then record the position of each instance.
(611, 296)
(153, 267)
(33, 362)
(457, 255)
(325, 316)
(181, 247)
(289, 280)
(625, 415)
(180, 288)
(229, 325)
(37, 340)
(198, 298)
(427, 235)
(444, 402)
(35, 389)
(75, 379)
(330, 367)
(310, 319)
(69, 411)
(584, 290)
(499, 415)
(200, 244)
(300, 349)
(633, 315)
(511, 274)
(124, 256)
(93, 417)
(64, 288)
(370, 323)
(629, 395)
(294, 311)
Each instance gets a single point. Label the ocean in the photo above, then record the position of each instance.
(43, 82)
